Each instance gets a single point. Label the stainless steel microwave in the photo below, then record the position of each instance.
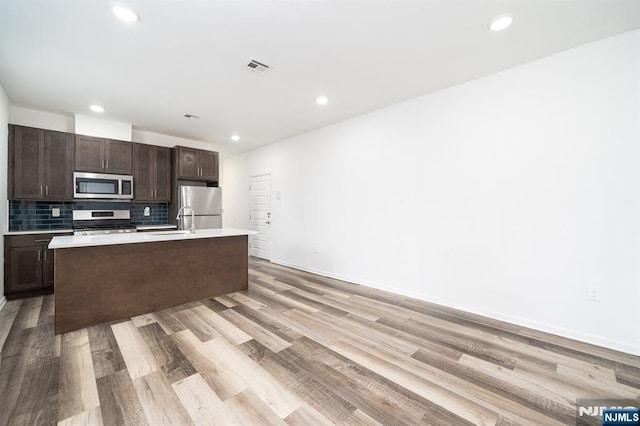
(102, 186)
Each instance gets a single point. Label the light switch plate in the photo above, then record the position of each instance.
(147, 211)
(55, 212)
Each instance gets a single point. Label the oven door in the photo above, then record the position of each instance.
(101, 186)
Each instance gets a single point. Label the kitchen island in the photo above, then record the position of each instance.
(110, 277)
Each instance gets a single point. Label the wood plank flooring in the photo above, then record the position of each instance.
(298, 349)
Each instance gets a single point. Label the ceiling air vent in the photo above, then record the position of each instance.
(192, 116)
(257, 66)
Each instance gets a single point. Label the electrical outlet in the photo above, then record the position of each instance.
(55, 212)
(147, 211)
(593, 294)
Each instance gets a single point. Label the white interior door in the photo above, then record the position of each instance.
(260, 216)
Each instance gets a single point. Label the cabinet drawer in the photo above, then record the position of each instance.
(31, 239)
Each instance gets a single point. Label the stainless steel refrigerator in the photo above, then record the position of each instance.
(206, 203)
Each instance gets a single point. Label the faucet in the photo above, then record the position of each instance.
(193, 217)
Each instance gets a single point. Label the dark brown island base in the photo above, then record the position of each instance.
(112, 277)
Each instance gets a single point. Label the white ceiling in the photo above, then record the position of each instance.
(189, 56)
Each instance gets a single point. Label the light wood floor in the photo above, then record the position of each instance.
(298, 349)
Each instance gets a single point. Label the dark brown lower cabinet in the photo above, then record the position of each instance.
(28, 265)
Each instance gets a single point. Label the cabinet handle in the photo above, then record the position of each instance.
(40, 189)
(155, 193)
(102, 164)
(46, 190)
(151, 190)
(41, 241)
(45, 255)
(107, 164)
(39, 255)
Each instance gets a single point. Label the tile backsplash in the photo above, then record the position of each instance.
(36, 215)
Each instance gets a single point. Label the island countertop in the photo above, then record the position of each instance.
(71, 241)
(102, 278)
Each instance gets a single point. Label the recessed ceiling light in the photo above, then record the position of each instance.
(322, 100)
(96, 108)
(123, 12)
(501, 22)
(235, 138)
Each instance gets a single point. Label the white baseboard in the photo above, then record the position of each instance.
(523, 322)
(3, 301)
(568, 333)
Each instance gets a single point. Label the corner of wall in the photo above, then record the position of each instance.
(5, 108)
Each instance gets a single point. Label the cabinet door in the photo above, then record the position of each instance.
(89, 154)
(188, 167)
(47, 267)
(28, 160)
(162, 174)
(208, 166)
(26, 268)
(119, 157)
(58, 166)
(143, 160)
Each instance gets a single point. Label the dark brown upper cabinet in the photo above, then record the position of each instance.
(196, 164)
(151, 173)
(40, 164)
(101, 155)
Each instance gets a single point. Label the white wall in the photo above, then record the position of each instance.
(508, 196)
(4, 121)
(41, 119)
(91, 126)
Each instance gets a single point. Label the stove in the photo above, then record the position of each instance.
(100, 222)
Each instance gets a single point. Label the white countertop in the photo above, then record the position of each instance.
(39, 231)
(70, 241)
(67, 231)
